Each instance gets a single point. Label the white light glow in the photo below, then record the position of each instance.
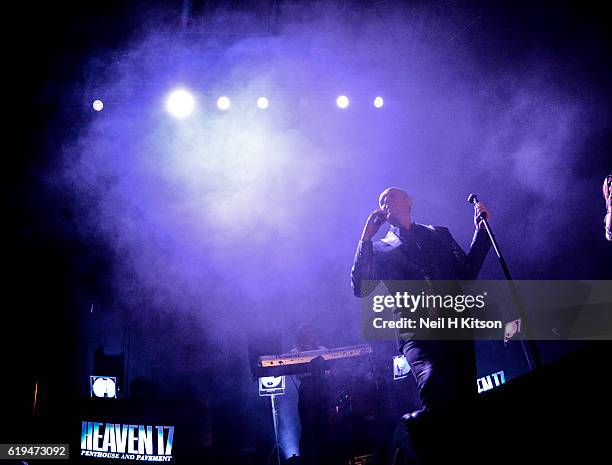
(223, 103)
(180, 103)
(379, 102)
(98, 105)
(104, 387)
(263, 103)
(342, 101)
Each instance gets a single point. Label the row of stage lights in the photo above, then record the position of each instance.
(181, 103)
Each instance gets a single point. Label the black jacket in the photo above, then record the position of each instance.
(421, 253)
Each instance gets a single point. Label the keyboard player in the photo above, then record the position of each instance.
(315, 404)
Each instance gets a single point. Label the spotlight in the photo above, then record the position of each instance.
(263, 103)
(103, 386)
(379, 102)
(98, 105)
(512, 328)
(180, 103)
(342, 101)
(223, 103)
(271, 386)
(401, 368)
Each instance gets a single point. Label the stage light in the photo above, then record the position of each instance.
(379, 102)
(180, 103)
(98, 105)
(401, 368)
(103, 386)
(263, 103)
(223, 103)
(342, 101)
(271, 386)
(512, 328)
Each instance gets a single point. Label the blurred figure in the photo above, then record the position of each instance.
(314, 404)
(607, 193)
(306, 338)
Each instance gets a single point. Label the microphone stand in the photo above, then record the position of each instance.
(535, 353)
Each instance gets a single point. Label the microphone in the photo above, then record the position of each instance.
(380, 220)
(473, 198)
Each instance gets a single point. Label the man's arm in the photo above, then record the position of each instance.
(363, 277)
(468, 266)
(363, 274)
(481, 243)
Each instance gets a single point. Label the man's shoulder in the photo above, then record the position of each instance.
(441, 233)
(431, 227)
(434, 229)
(391, 240)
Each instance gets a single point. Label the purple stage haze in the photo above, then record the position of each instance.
(226, 224)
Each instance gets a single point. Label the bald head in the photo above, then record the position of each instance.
(398, 205)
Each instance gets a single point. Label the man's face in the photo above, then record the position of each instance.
(396, 203)
(306, 336)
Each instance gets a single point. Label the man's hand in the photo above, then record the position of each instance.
(378, 216)
(481, 209)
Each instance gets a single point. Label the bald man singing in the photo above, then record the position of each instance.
(445, 371)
